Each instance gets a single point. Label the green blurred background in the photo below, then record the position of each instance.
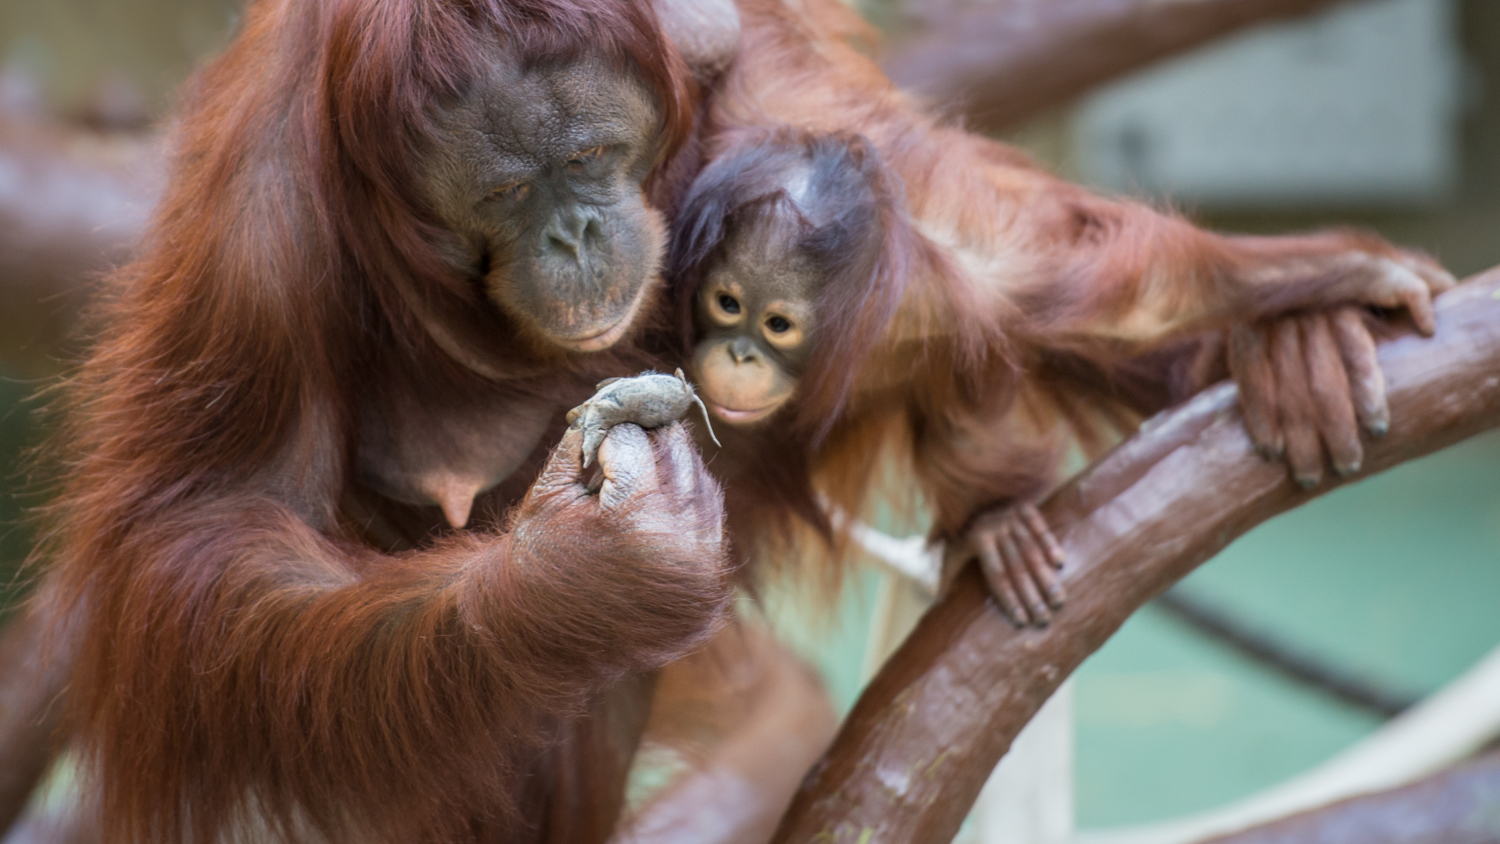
(1396, 578)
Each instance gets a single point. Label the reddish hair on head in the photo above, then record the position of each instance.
(851, 225)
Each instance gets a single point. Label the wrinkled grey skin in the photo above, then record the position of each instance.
(649, 400)
(538, 172)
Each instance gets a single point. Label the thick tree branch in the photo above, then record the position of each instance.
(913, 754)
(72, 203)
(1003, 62)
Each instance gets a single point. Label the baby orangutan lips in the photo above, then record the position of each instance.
(743, 417)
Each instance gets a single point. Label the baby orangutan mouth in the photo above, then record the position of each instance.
(744, 417)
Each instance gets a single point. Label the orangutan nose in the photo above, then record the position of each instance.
(569, 228)
(743, 350)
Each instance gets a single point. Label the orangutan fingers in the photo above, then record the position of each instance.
(1438, 280)
(1020, 575)
(677, 462)
(995, 575)
(1331, 394)
(1366, 381)
(1398, 284)
(565, 466)
(1298, 418)
(628, 462)
(1419, 304)
(1036, 563)
(1250, 366)
(1043, 533)
(1207, 364)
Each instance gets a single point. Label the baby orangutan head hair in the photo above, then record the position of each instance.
(790, 256)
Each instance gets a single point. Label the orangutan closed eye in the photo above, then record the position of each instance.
(538, 172)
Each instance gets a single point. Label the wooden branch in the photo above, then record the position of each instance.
(911, 757)
(72, 204)
(1006, 61)
(1453, 806)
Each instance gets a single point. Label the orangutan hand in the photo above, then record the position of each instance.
(1019, 557)
(1309, 382)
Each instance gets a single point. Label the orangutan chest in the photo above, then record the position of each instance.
(432, 451)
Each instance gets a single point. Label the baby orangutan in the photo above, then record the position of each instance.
(798, 253)
(828, 332)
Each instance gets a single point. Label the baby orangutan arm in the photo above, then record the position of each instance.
(1296, 312)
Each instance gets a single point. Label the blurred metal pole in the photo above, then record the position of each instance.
(1268, 649)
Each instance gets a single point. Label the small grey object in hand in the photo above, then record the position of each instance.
(650, 400)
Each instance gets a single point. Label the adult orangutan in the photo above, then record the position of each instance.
(940, 299)
(401, 239)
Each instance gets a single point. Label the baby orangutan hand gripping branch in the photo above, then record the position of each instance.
(826, 331)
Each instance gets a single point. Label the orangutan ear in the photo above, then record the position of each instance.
(706, 32)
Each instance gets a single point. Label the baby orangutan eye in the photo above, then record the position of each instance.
(729, 304)
(782, 332)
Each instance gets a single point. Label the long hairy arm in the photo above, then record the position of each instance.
(236, 660)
